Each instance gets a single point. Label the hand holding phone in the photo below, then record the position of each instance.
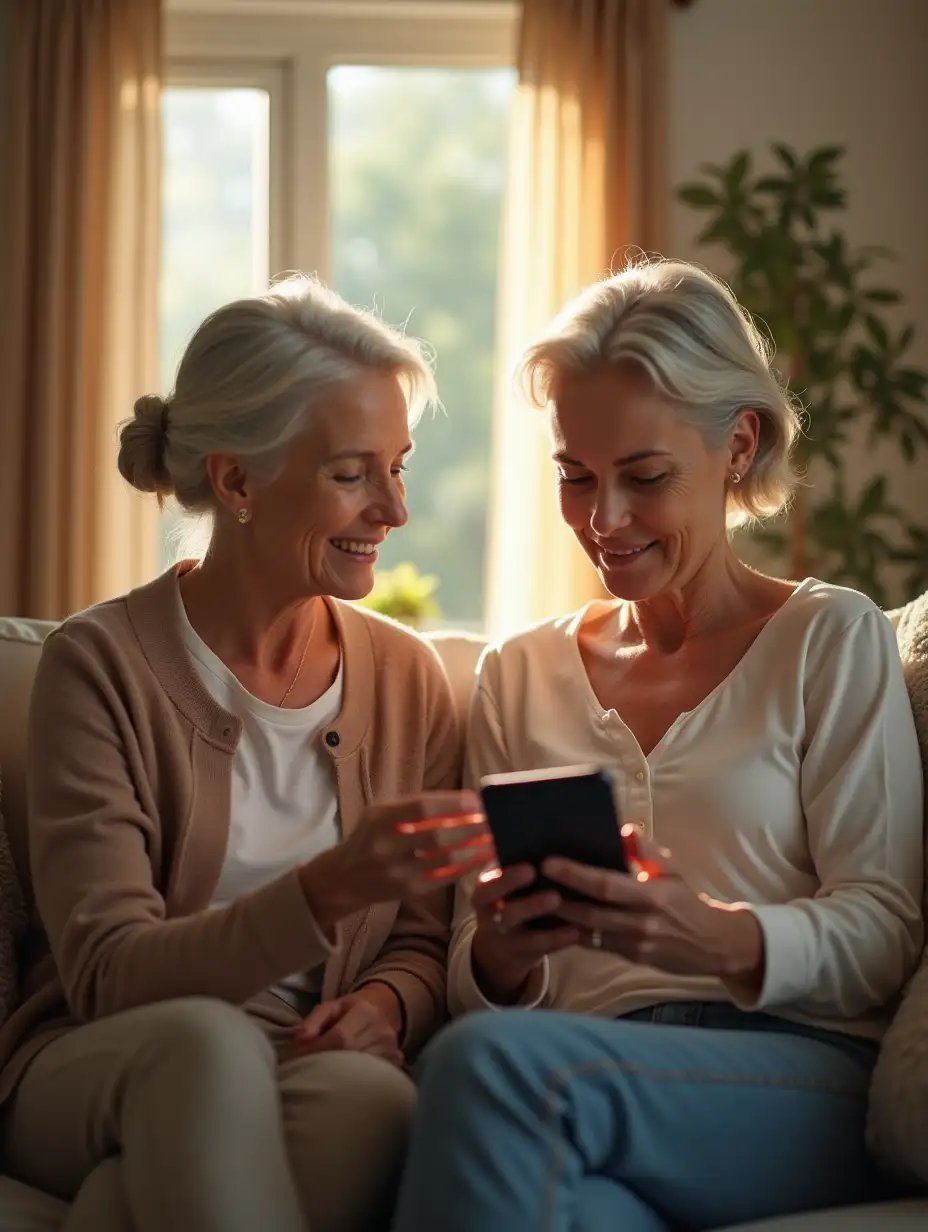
(568, 812)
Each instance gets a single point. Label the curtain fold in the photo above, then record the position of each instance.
(79, 282)
(587, 185)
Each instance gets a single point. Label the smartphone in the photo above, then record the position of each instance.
(570, 811)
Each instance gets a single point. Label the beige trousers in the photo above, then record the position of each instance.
(178, 1117)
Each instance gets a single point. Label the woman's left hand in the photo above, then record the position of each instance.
(652, 916)
(369, 1020)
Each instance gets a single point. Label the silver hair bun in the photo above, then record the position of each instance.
(142, 443)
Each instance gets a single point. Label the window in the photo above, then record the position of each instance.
(417, 163)
(215, 234)
(370, 150)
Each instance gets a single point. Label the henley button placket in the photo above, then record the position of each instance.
(332, 739)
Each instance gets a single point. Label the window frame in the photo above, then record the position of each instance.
(288, 47)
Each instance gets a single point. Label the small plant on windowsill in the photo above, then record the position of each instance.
(798, 275)
(404, 594)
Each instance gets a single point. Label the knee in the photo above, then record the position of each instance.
(200, 1039)
(475, 1048)
(368, 1096)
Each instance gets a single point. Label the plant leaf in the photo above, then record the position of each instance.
(786, 156)
(882, 295)
(872, 498)
(877, 330)
(698, 195)
(738, 169)
(825, 156)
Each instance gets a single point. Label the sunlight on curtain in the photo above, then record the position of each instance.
(586, 185)
(79, 281)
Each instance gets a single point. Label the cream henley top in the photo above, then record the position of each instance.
(795, 786)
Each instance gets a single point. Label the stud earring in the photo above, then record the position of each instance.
(735, 477)
(244, 515)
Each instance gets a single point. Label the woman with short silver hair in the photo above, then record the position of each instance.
(243, 815)
(720, 1012)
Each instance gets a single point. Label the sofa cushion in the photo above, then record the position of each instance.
(23, 1209)
(460, 654)
(898, 1115)
(20, 647)
(12, 922)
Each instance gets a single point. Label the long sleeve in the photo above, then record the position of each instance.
(413, 961)
(849, 948)
(486, 753)
(92, 846)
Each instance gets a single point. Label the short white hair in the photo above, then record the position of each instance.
(684, 328)
(248, 381)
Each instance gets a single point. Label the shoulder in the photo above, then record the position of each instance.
(398, 651)
(538, 647)
(820, 618)
(92, 635)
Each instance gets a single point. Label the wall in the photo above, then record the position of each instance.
(814, 72)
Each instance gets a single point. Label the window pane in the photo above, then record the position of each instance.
(417, 166)
(215, 214)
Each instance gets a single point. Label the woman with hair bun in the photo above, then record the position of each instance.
(244, 820)
(720, 1012)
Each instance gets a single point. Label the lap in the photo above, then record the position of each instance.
(68, 1111)
(708, 1126)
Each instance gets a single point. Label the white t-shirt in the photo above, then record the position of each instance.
(284, 801)
(795, 786)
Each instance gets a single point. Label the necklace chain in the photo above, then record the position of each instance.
(299, 666)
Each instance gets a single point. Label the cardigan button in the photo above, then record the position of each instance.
(332, 739)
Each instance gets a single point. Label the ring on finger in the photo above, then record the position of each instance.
(596, 939)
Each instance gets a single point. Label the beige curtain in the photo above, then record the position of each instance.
(587, 183)
(79, 286)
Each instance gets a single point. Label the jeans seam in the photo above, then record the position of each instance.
(560, 1078)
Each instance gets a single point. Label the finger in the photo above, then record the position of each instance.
(324, 1043)
(592, 917)
(319, 1020)
(436, 806)
(500, 883)
(503, 916)
(357, 1027)
(645, 857)
(450, 836)
(424, 878)
(599, 883)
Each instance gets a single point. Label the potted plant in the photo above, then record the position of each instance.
(405, 595)
(795, 272)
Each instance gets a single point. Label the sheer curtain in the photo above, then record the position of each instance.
(78, 282)
(587, 185)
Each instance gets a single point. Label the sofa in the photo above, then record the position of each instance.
(23, 1209)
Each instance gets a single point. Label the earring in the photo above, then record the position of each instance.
(244, 515)
(735, 477)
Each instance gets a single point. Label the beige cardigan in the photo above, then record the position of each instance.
(129, 772)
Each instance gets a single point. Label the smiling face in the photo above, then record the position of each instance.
(316, 528)
(637, 485)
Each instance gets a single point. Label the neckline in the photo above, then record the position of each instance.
(602, 714)
(295, 716)
(153, 617)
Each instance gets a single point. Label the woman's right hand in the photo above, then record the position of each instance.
(504, 953)
(411, 846)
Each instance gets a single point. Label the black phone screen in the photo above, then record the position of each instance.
(569, 812)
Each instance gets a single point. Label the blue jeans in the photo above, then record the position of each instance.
(552, 1122)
